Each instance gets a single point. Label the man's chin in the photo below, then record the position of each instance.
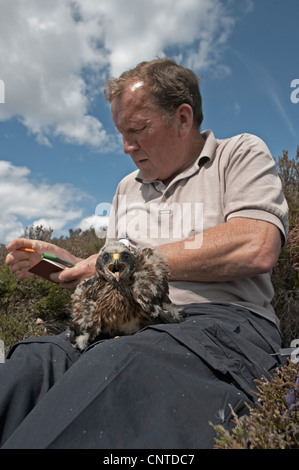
(147, 175)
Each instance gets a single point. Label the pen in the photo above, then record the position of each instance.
(28, 250)
(66, 263)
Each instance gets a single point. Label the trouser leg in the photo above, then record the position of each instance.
(29, 371)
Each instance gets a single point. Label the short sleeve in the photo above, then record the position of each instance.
(252, 186)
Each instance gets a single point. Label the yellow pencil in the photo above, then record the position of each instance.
(28, 250)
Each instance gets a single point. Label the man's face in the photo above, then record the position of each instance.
(148, 139)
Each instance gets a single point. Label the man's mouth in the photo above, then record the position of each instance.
(140, 161)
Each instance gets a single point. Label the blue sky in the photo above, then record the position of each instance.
(59, 153)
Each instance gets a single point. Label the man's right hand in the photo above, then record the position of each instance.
(19, 261)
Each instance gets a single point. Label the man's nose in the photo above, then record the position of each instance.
(130, 146)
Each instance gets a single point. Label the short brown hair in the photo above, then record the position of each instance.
(171, 85)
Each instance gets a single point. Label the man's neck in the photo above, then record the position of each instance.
(192, 153)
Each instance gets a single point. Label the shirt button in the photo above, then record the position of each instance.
(167, 194)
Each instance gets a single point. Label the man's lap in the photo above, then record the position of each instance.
(157, 389)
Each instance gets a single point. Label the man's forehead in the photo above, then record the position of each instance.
(136, 93)
(134, 99)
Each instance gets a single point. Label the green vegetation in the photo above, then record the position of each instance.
(274, 422)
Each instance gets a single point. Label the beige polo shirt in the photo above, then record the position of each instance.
(234, 177)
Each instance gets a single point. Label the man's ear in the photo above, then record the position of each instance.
(184, 115)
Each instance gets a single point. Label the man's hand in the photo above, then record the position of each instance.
(69, 278)
(19, 261)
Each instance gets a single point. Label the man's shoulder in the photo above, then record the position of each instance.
(236, 145)
(242, 140)
(129, 179)
(245, 146)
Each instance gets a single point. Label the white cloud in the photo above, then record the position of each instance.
(135, 30)
(24, 202)
(99, 223)
(42, 55)
(54, 56)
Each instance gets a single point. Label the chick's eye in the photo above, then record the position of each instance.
(106, 257)
(125, 256)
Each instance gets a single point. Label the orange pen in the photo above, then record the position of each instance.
(28, 250)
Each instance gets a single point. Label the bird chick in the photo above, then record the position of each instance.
(128, 292)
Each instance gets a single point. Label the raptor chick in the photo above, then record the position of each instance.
(128, 292)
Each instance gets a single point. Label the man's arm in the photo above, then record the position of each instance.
(240, 248)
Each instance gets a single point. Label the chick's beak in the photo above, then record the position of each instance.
(115, 267)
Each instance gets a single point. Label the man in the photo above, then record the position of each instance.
(216, 210)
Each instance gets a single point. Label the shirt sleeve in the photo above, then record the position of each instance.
(252, 186)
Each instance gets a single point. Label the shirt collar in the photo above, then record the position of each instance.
(208, 153)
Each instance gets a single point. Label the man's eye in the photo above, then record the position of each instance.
(137, 131)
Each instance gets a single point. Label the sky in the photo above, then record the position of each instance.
(60, 156)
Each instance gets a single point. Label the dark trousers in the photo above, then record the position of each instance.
(157, 389)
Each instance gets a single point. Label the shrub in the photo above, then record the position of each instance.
(274, 422)
(285, 276)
